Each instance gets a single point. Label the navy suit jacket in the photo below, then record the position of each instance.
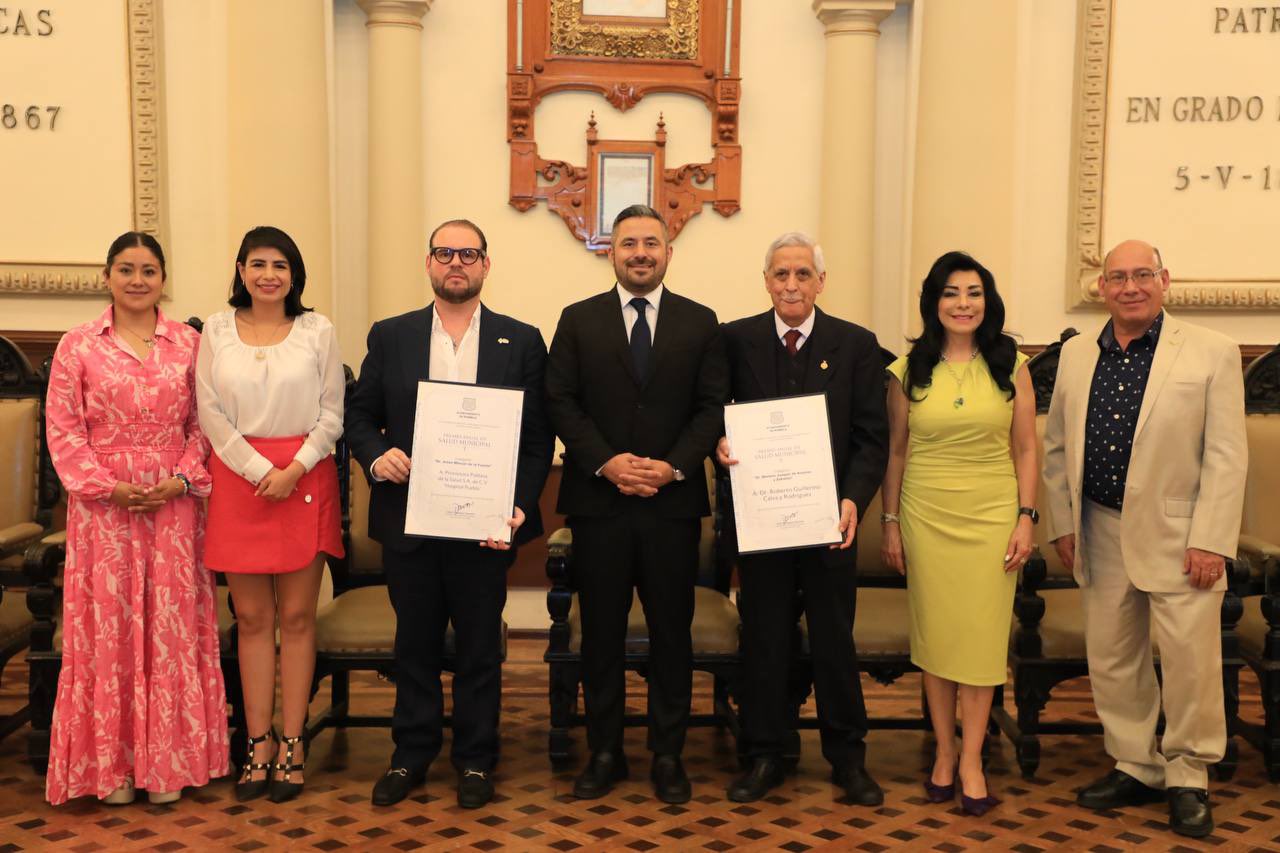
(380, 412)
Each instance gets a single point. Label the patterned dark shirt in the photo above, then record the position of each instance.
(1115, 397)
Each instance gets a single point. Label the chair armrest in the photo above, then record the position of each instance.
(560, 542)
(1029, 606)
(560, 595)
(40, 564)
(18, 536)
(1254, 552)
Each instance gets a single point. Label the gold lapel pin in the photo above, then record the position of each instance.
(824, 364)
(503, 341)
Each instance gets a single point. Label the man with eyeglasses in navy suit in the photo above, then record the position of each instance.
(433, 582)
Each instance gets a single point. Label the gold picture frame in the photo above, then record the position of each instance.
(146, 130)
(576, 34)
(1085, 251)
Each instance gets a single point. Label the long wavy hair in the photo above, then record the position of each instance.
(998, 348)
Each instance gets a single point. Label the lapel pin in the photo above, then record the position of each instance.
(503, 341)
(823, 365)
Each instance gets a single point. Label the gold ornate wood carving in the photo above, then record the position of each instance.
(691, 48)
(79, 279)
(1085, 250)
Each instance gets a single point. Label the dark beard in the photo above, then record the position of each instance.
(453, 296)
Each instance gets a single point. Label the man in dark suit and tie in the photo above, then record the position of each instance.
(797, 349)
(433, 582)
(636, 384)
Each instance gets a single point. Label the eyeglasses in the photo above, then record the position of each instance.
(444, 255)
(1140, 277)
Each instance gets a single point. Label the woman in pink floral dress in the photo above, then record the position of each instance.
(140, 697)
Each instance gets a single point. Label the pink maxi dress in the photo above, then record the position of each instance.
(140, 695)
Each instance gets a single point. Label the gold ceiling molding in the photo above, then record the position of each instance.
(674, 38)
(76, 279)
(1085, 250)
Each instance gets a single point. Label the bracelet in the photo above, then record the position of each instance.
(888, 518)
(186, 484)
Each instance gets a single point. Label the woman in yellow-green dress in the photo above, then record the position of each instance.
(959, 501)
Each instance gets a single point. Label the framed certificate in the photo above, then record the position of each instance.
(784, 485)
(462, 481)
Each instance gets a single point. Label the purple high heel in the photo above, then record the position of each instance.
(979, 806)
(940, 793)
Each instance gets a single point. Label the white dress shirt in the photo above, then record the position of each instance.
(448, 363)
(296, 387)
(629, 313)
(805, 329)
(454, 364)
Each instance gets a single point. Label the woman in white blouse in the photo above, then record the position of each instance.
(270, 385)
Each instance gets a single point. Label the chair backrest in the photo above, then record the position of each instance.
(362, 565)
(28, 486)
(1262, 424)
(1043, 368)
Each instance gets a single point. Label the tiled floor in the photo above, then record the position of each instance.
(534, 810)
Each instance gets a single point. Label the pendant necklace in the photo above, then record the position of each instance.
(959, 380)
(260, 351)
(149, 343)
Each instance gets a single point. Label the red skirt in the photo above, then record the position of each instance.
(248, 534)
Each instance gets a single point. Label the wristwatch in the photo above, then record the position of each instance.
(1030, 512)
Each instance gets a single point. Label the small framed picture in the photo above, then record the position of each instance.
(643, 9)
(625, 179)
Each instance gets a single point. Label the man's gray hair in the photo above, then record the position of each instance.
(796, 238)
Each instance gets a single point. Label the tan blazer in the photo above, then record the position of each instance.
(1185, 487)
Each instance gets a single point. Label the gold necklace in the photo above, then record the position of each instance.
(260, 353)
(959, 380)
(149, 343)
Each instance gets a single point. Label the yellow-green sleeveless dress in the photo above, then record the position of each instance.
(959, 506)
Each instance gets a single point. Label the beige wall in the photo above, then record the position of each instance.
(246, 143)
(267, 124)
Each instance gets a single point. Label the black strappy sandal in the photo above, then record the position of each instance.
(249, 788)
(282, 790)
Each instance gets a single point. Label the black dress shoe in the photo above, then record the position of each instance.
(1189, 812)
(603, 769)
(1116, 790)
(858, 785)
(670, 784)
(395, 785)
(765, 774)
(475, 788)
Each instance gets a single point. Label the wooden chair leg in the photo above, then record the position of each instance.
(1270, 683)
(1030, 696)
(564, 681)
(42, 690)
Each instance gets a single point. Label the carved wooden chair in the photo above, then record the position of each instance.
(1259, 628)
(715, 632)
(355, 631)
(882, 621)
(28, 494)
(42, 570)
(1047, 646)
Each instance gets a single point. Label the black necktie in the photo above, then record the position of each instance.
(641, 340)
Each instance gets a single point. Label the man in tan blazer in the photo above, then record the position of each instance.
(1144, 470)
